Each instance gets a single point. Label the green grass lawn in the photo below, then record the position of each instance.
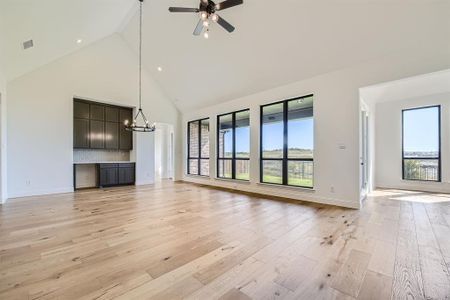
(304, 182)
(243, 176)
(292, 181)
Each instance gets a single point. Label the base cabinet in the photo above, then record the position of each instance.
(116, 174)
(126, 174)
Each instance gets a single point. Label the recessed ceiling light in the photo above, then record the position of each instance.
(160, 69)
(79, 41)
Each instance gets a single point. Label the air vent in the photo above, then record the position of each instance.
(28, 44)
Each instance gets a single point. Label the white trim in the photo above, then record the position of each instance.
(293, 193)
(288, 187)
(144, 182)
(233, 180)
(41, 192)
(432, 187)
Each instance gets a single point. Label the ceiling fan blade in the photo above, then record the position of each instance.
(199, 27)
(184, 9)
(228, 27)
(228, 3)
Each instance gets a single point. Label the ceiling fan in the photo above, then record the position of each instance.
(207, 10)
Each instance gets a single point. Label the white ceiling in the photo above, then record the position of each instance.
(407, 88)
(275, 42)
(279, 42)
(54, 26)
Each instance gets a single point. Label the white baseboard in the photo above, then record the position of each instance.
(40, 192)
(432, 187)
(144, 182)
(290, 192)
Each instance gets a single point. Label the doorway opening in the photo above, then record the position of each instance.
(164, 152)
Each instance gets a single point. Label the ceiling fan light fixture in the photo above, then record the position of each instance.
(205, 23)
(215, 17)
(206, 34)
(204, 15)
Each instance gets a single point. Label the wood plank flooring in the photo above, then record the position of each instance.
(184, 241)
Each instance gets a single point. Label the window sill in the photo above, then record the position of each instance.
(197, 176)
(420, 180)
(232, 180)
(287, 187)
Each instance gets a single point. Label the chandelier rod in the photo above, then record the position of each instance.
(140, 54)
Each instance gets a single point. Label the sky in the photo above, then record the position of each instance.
(421, 130)
(242, 140)
(421, 133)
(301, 135)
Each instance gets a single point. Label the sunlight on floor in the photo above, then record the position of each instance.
(413, 196)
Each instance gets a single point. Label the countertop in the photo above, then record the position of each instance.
(102, 162)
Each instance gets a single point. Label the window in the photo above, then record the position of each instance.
(421, 143)
(198, 147)
(287, 142)
(233, 145)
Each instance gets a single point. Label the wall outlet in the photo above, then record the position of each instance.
(332, 189)
(28, 182)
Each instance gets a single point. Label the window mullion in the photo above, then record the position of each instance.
(199, 147)
(285, 143)
(233, 155)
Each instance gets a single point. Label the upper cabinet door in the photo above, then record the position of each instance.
(80, 110)
(97, 134)
(80, 133)
(97, 112)
(126, 114)
(125, 136)
(111, 114)
(111, 135)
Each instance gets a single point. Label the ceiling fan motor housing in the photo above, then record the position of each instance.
(209, 8)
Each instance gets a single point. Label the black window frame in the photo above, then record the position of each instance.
(285, 160)
(233, 158)
(439, 158)
(200, 157)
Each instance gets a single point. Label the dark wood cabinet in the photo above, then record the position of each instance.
(80, 110)
(97, 134)
(101, 126)
(97, 112)
(125, 114)
(126, 173)
(111, 135)
(108, 175)
(111, 114)
(125, 136)
(116, 174)
(81, 133)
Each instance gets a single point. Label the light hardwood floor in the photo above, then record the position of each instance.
(181, 240)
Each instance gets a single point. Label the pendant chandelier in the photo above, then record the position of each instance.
(134, 126)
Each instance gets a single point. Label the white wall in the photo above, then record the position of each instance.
(3, 162)
(163, 155)
(389, 143)
(336, 113)
(40, 126)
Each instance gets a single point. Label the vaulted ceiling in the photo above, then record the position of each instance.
(275, 42)
(55, 26)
